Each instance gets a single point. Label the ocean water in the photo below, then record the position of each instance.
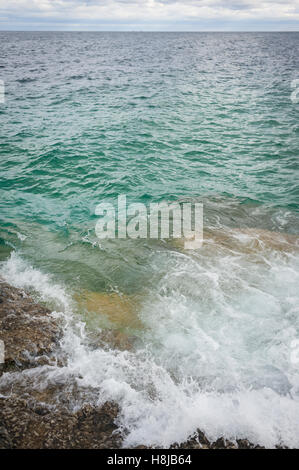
(210, 334)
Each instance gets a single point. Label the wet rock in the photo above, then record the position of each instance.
(5, 440)
(222, 443)
(36, 417)
(27, 427)
(200, 441)
(29, 332)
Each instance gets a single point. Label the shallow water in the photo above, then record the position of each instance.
(160, 117)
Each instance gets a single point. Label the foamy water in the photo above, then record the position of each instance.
(215, 352)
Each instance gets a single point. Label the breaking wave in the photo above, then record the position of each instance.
(214, 352)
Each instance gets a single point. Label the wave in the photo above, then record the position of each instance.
(214, 353)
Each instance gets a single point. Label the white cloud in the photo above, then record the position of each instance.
(147, 11)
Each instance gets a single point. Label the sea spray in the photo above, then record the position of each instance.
(219, 362)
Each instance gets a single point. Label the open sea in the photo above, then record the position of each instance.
(180, 339)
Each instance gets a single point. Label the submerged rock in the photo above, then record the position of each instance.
(245, 240)
(119, 310)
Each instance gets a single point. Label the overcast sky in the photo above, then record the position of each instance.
(150, 15)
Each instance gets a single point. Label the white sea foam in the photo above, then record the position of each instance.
(215, 353)
(20, 274)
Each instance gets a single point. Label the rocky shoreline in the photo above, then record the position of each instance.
(33, 419)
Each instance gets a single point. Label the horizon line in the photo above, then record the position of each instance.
(141, 31)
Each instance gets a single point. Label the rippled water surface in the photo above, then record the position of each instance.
(204, 338)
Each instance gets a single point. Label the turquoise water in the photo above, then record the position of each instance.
(162, 117)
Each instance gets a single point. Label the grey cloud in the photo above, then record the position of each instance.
(166, 13)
